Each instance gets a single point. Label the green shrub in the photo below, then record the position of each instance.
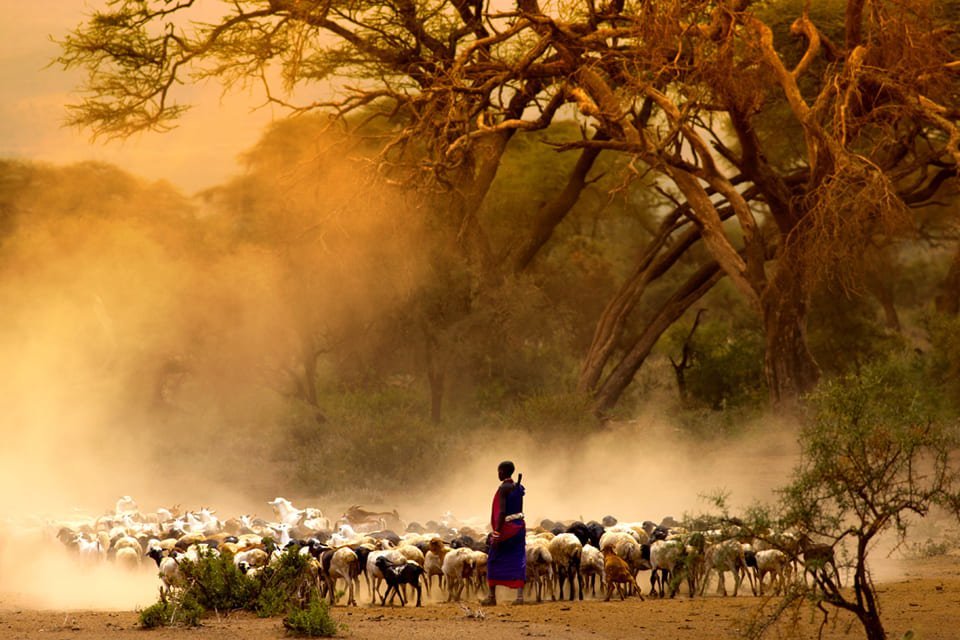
(313, 620)
(214, 583)
(217, 584)
(156, 615)
(182, 611)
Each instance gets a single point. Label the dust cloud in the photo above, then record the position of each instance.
(644, 469)
(43, 575)
(140, 336)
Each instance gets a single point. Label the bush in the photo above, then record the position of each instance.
(156, 615)
(183, 611)
(313, 621)
(214, 583)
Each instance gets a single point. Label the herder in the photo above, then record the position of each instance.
(507, 561)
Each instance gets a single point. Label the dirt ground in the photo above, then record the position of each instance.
(926, 602)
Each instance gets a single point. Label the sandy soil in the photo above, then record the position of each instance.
(926, 601)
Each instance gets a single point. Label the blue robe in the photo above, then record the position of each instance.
(507, 558)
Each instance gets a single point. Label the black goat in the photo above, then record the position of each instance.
(399, 574)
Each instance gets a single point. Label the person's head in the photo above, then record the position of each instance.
(505, 469)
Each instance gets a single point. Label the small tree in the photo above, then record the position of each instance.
(873, 454)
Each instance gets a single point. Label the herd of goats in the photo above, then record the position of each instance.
(563, 559)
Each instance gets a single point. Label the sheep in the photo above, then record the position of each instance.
(480, 571)
(345, 565)
(722, 557)
(566, 551)
(666, 558)
(128, 542)
(255, 557)
(625, 545)
(539, 567)
(127, 558)
(616, 571)
(591, 567)
(396, 574)
(458, 566)
(777, 564)
(633, 529)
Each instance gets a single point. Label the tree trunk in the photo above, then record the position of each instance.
(872, 626)
(685, 297)
(788, 364)
(552, 213)
(948, 301)
(436, 376)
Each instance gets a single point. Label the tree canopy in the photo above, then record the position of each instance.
(786, 155)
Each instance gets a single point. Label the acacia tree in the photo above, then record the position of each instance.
(872, 456)
(685, 88)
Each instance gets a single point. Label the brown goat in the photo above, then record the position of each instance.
(616, 572)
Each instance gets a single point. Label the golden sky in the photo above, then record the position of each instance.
(200, 153)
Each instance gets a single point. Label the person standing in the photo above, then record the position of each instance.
(507, 555)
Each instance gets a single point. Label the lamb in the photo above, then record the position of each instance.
(616, 571)
(399, 574)
(458, 566)
(566, 551)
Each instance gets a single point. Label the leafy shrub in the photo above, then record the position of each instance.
(313, 621)
(214, 583)
(182, 611)
(156, 615)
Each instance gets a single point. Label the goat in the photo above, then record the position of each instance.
(777, 564)
(722, 557)
(616, 572)
(399, 574)
(817, 559)
(433, 562)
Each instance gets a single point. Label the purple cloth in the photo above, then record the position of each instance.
(507, 559)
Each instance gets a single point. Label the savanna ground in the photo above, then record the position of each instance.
(923, 598)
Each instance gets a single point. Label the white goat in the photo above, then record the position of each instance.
(458, 566)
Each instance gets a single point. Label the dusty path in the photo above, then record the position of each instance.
(926, 601)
